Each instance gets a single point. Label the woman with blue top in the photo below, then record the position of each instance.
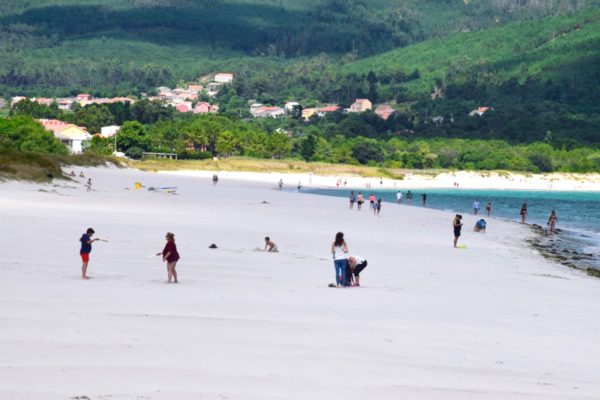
(339, 249)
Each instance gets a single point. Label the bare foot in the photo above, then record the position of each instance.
(85, 277)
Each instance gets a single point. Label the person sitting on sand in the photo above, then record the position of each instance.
(171, 256)
(270, 246)
(86, 248)
(81, 174)
(72, 174)
(480, 226)
(356, 264)
(339, 249)
(552, 221)
(523, 213)
(457, 225)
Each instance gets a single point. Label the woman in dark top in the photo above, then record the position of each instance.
(457, 225)
(523, 213)
(171, 256)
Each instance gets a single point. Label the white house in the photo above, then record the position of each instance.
(479, 111)
(223, 77)
(290, 105)
(109, 131)
(360, 105)
(71, 135)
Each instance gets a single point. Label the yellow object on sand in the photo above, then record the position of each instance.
(462, 246)
(138, 185)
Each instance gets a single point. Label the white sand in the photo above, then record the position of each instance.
(421, 179)
(494, 321)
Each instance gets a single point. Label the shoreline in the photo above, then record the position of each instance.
(466, 180)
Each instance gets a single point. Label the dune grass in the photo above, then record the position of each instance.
(256, 165)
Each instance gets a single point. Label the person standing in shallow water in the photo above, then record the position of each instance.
(352, 199)
(523, 213)
(339, 249)
(359, 200)
(552, 221)
(171, 256)
(488, 208)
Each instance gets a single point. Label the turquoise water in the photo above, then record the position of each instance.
(578, 212)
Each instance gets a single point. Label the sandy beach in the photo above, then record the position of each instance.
(420, 180)
(492, 321)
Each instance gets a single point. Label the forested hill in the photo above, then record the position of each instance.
(124, 46)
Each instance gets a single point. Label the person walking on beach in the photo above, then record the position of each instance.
(352, 199)
(280, 184)
(356, 265)
(270, 246)
(378, 206)
(371, 201)
(86, 248)
(215, 179)
(88, 185)
(171, 256)
(424, 197)
(339, 249)
(488, 208)
(409, 197)
(359, 200)
(476, 207)
(457, 225)
(523, 213)
(552, 221)
(399, 197)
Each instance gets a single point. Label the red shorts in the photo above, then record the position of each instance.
(85, 257)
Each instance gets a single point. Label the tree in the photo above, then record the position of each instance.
(133, 134)
(308, 147)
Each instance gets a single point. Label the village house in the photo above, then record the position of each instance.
(71, 135)
(479, 111)
(213, 88)
(384, 111)
(290, 106)
(307, 113)
(184, 107)
(44, 101)
(64, 104)
(223, 77)
(261, 111)
(195, 88)
(84, 96)
(327, 110)
(204, 108)
(16, 99)
(360, 105)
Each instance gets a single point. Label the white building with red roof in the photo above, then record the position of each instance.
(75, 137)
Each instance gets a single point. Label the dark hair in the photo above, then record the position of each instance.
(267, 238)
(90, 231)
(170, 235)
(339, 239)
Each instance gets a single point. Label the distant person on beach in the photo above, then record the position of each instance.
(280, 184)
(352, 199)
(424, 197)
(378, 206)
(81, 175)
(171, 256)
(399, 197)
(88, 185)
(215, 179)
(359, 200)
(299, 186)
(72, 174)
(488, 208)
(270, 245)
(476, 207)
(523, 213)
(457, 225)
(409, 197)
(552, 221)
(371, 201)
(480, 226)
(86, 248)
(339, 249)
(356, 264)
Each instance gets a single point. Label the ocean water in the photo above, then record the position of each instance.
(578, 212)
